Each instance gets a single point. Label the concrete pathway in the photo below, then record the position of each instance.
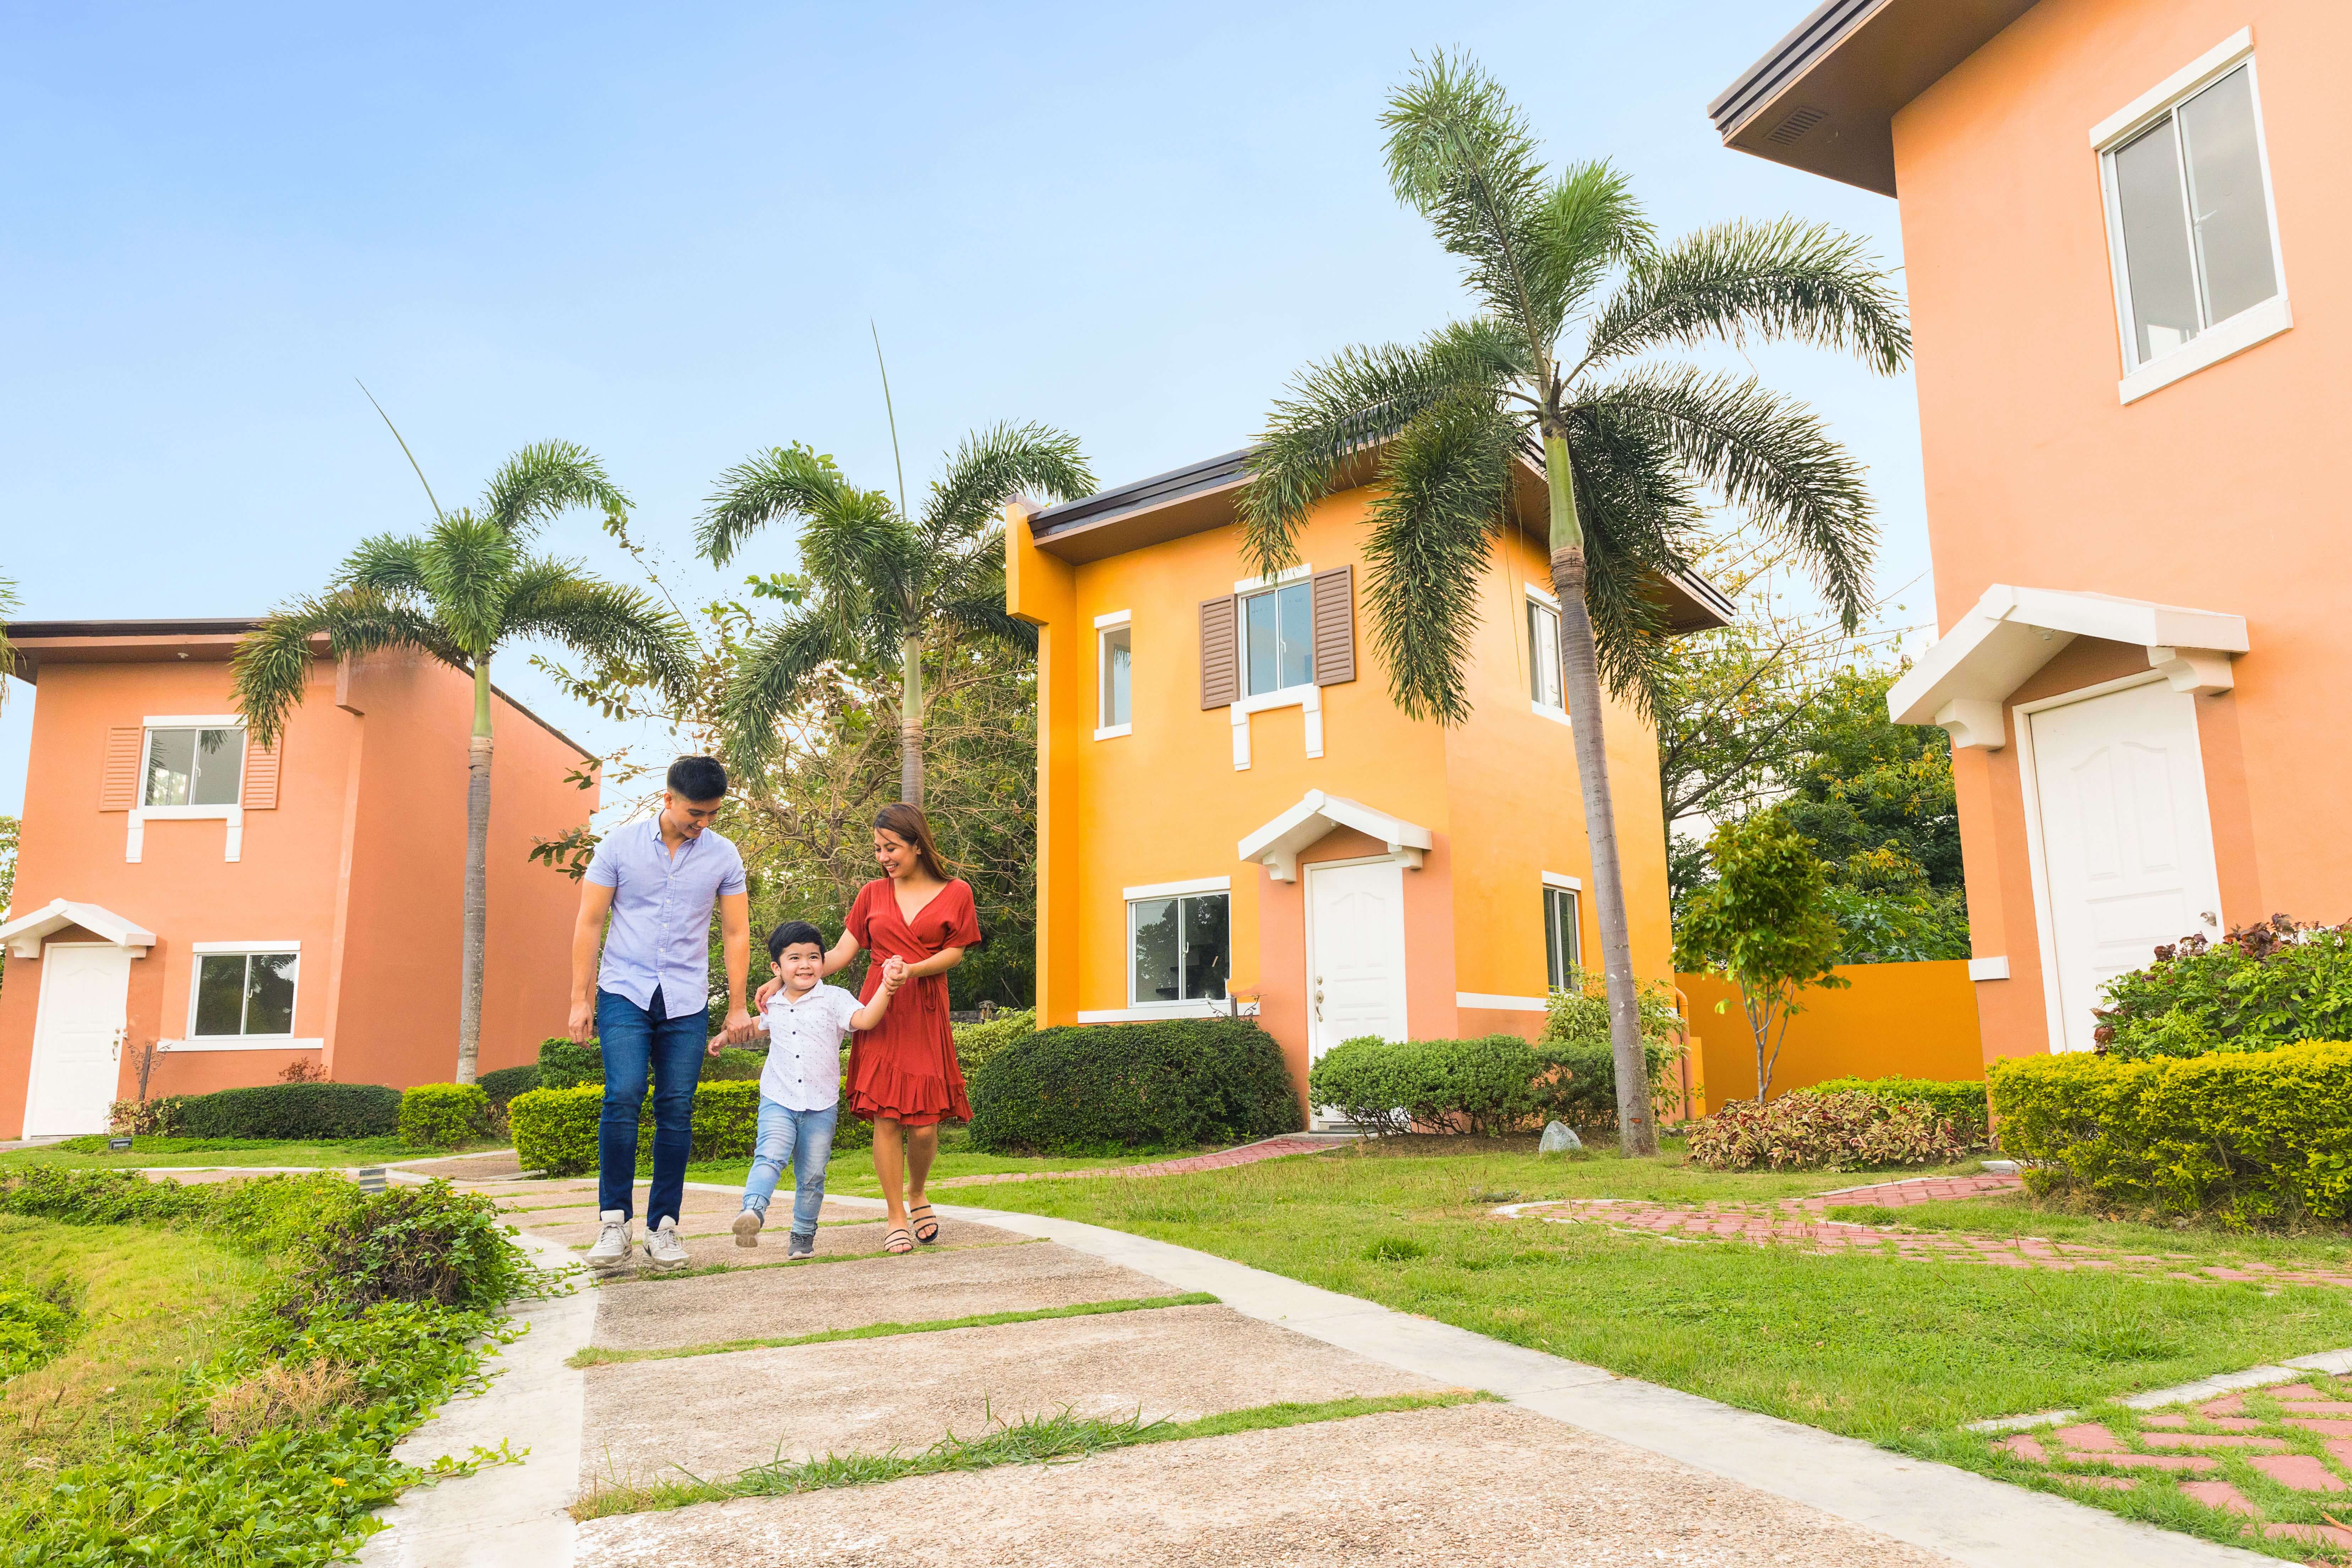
(1578, 1466)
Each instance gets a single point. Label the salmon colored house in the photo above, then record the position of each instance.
(1231, 813)
(2134, 472)
(243, 910)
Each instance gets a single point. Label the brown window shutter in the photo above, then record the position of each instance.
(1221, 670)
(1335, 626)
(260, 791)
(118, 779)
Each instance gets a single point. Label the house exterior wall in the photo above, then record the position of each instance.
(360, 862)
(2220, 491)
(1165, 802)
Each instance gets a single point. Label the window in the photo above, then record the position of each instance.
(1278, 636)
(2190, 217)
(1561, 948)
(1182, 948)
(243, 993)
(1118, 677)
(1543, 655)
(194, 767)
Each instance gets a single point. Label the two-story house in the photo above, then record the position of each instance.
(1231, 809)
(235, 909)
(2135, 502)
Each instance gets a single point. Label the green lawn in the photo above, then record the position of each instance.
(1889, 1351)
(852, 1170)
(258, 1152)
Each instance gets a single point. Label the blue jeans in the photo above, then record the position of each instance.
(639, 1043)
(803, 1137)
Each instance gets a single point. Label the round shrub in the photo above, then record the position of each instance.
(1810, 1130)
(506, 1082)
(555, 1129)
(563, 1065)
(1484, 1085)
(975, 1043)
(445, 1115)
(293, 1110)
(1184, 1081)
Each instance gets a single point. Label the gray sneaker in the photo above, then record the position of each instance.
(612, 1248)
(801, 1244)
(663, 1246)
(747, 1227)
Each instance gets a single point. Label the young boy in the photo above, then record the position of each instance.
(800, 1088)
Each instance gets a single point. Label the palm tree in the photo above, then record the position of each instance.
(7, 653)
(458, 592)
(884, 587)
(1629, 450)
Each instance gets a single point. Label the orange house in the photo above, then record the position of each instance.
(1233, 813)
(239, 910)
(2135, 486)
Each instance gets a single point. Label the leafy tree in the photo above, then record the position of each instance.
(1551, 364)
(458, 592)
(1765, 924)
(883, 588)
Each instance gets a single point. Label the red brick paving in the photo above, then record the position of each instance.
(2218, 1494)
(2310, 1534)
(1224, 1158)
(2300, 1471)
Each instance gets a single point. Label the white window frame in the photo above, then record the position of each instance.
(1281, 695)
(136, 839)
(1116, 621)
(1137, 1008)
(1554, 882)
(1535, 705)
(200, 951)
(2232, 334)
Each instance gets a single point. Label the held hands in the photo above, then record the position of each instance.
(894, 974)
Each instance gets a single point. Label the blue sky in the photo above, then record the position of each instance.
(662, 231)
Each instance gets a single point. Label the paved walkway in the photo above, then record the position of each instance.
(1804, 1222)
(644, 1379)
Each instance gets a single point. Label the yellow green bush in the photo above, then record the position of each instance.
(555, 1129)
(444, 1115)
(2255, 1137)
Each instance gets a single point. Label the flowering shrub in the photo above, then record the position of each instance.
(1806, 1130)
(2263, 986)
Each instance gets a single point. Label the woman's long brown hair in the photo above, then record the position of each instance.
(909, 825)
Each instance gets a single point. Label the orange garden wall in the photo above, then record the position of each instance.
(1906, 1020)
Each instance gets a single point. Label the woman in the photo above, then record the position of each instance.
(903, 1075)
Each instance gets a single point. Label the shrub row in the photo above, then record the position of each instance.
(1962, 1103)
(2257, 1137)
(1495, 1083)
(1808, 1129)
(1182, 1082)
(292, 1111)
(976, 1043)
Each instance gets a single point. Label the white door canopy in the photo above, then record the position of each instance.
(1276, 845)
(24, 935)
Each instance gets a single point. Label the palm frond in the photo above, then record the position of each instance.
(272, 666)
(1640, 509)
(466, 563)
(617, 626)
(386, 564)
(991, 467)
(781, 484)
(542, 482)
(1743, 281)
(769, 677)
(867, 562)
(983, 615)
(7, 653)
(1337, 409)
(1444, 483)
(1585, 225)
(1767, 455)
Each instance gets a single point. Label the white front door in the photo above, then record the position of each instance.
(76, 1037)
(1355, 952)
(2127, 846)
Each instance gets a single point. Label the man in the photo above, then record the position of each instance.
(650, 1007)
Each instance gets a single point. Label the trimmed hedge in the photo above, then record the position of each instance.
(506, 1082)
(563, 1065)
(555, 1129)
(445, 1115)
(1960, 1103)
(1179, 1082)
(2258, 1137)
(291, 1111)
(1484, 1085)
(976, 1043)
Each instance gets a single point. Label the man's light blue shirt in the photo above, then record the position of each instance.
(660, 934)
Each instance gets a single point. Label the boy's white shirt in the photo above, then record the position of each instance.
(803, 1071)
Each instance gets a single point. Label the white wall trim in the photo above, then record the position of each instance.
(1550, 601)
(1555, 879)
(1114, 620)
(194, 721)
(134, 845)
(1993, 968)
(1163, 1010)
(242, 1043)
(1175, 889)
(1113, 732)
(1309, 698)
(2213, 62)
(2254, 324)
(273, 946)
(1545, 711)
(1497, 1002)
(1288, 574)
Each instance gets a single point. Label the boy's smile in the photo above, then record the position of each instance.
(800, 967)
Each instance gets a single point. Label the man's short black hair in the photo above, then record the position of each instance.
(696, 778)
(789, 932)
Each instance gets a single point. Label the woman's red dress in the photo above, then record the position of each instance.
(904, 1068)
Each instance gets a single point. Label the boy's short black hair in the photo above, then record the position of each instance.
(696, 778)
(791, 932)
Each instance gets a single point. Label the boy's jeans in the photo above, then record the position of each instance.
(641, 1043)
(805, 1139)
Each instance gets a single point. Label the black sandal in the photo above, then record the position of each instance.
(927, 1224)
(896, 1239)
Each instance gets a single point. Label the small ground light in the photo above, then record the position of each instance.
(371, 1178)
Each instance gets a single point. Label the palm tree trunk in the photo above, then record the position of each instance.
(910, 721)
(477, 893)
(1580, 668)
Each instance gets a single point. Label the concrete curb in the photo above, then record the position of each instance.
(2336, 1363)
(1969, 1517)
(512, 1515)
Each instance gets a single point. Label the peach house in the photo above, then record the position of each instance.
(2134, 481)
(1231, 813)
(242, 909)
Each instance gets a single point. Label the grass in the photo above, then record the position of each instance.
(1033, 1440)
(2015, 1214)
(150, 1302)
(299, 1154)
(591, 1356)
(1858, 1344)
(852, 1171)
